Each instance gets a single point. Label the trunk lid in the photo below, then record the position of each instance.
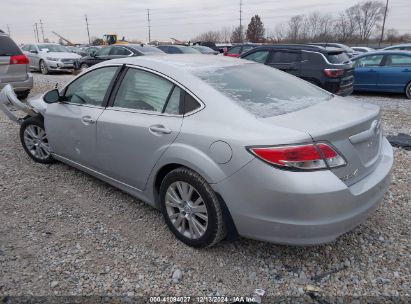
(353, 129)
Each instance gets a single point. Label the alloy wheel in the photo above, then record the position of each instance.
(186, 209)
(36, 141)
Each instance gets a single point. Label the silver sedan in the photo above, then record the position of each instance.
(224, 147)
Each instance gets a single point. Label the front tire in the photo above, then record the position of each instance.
(33, 137)
(191, 208)
(43, 67)
(408, 90)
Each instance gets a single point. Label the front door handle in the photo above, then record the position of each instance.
(88, 120)
(160, 129)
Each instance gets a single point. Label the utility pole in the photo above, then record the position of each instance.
(149, 25)
(35, 36)
(241, 20)
(383, 25)
(8, 29)
(37, 32)
(42, 30)
(88, 32)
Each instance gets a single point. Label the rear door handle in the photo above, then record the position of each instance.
(88, 120)
(406, 70)
(160, 129)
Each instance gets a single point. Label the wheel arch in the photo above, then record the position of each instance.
(232, 232)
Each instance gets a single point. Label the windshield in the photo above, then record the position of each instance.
(188, 50)
(52, 48)
(262, 90)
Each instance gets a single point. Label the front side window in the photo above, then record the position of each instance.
(369, 61)
(143, 90)
(284, 57)
(104, 51)
(91, 88)
(120, 51)
(259, 56)
(398, 60)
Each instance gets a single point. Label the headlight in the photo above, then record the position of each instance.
(52, 59)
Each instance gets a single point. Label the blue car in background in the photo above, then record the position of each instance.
(383, 71)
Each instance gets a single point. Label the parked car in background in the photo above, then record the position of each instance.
(14, 67)
(49, 57)
(399, 47)
(350, 52)
(327, 67)
(362, 49)
(223, 47)
(178, 49)
(237, 50)
(115, 51)
(208, 44)
(383, 71)
(205, 50)
(221, 146)
(91, 49)
(76, 50)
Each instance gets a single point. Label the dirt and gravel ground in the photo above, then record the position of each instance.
(63, 232)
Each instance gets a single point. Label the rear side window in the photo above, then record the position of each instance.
(234, 50)
(259, 56)
(8, 47)
(398, 60)
(190, 104)
(284, 57)
(341, 57)
(261, 90)
(143, 90)
(119, 51)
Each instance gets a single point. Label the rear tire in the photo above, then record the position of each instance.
(84, 66)
(43, 67)
(33, 137)
(191, 209)
(408, 90)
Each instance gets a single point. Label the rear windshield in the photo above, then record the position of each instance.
(341, 57)
(188, 50)
(8, 47)
(262, 90)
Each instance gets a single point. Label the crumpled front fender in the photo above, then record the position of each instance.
(10, 105)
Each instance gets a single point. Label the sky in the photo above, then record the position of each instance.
(180, 19)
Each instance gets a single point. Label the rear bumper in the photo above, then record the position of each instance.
(339, 88)
(301, 208)
(22, 85)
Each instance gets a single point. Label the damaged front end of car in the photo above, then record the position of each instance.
(13, 107)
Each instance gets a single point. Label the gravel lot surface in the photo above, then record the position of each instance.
(63, 232)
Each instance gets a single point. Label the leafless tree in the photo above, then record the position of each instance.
(213, 36)
(345, 25)
(225, 34)
(368, 15)
(294, 28)
(236, 35)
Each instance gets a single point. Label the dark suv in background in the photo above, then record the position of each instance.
(327, 67)
(14, 67)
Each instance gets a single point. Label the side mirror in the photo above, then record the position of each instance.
(52, 96)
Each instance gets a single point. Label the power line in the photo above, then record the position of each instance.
(149, 25)
(88, 32)
(42, 30)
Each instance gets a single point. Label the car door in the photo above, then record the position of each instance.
(395, 73)
(366, 72)
(71, 123)
(34, 58)
(286, 60)
(136, 130)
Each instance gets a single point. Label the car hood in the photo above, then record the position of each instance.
(61, 55)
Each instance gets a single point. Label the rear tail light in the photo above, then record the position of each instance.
(333, 73)
(301, 157)
(19, 59)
